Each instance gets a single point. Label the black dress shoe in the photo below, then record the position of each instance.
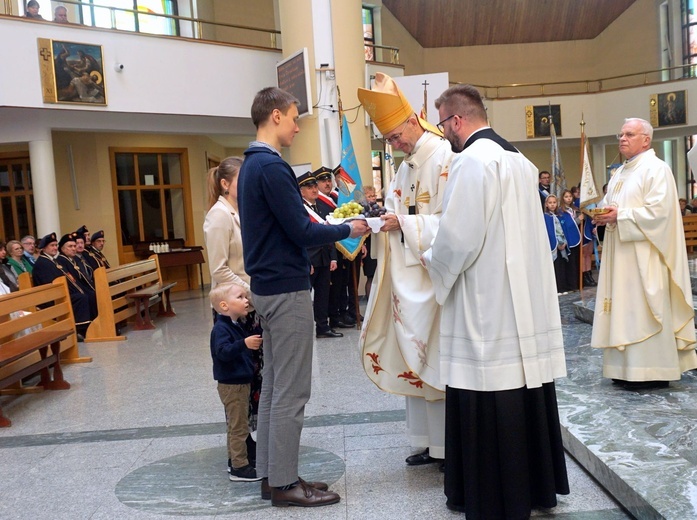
(644, 385)
(342, 325)
(419, 459)
(453, 507)
(348, 320)
(588, 280)
(303, 495)
(330, 334)
(266, 489)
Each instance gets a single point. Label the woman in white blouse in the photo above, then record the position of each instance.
(223, 238)
(221, 229)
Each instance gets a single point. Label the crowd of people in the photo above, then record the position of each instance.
(462, 317)
(573, 237)
(60, 12)
(74, 255)
(277, 223)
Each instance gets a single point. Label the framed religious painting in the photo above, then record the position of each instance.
(538, 120)
(72, 72)
(668, 109)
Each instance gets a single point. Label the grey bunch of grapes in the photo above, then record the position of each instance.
(373, 209)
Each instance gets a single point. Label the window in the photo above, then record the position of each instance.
(152, 194)
(17, 215)
(689, 38)
(368, 34)
(106, 13)
(377, 173)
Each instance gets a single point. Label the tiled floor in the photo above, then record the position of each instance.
(140, 435)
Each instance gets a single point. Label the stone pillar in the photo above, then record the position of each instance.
(332, 31)
(43, 175)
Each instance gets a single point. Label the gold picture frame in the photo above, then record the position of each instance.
(537, 120)
(72, 72)
(668, 109)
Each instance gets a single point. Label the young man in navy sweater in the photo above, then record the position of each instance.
(275, 235)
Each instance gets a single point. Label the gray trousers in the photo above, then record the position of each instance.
(288, 323)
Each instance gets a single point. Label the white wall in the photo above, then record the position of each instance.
(603, 113)
(161, 75)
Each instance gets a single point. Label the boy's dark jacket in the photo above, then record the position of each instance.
(232, 360)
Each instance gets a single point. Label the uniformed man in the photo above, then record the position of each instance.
(82, 292)
(323, 258)
(82, 258)
(328, 196)
(47, 268)
(95, 247)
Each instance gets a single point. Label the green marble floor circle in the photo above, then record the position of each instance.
(196, 483)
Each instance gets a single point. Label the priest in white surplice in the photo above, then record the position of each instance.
(399, 341)
(501, 338)
(644, 319)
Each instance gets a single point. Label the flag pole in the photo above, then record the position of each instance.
(356, 261)
(341, 111)
(583, 218)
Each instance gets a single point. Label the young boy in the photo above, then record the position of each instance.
(233, 368)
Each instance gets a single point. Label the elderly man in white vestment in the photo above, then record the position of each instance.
(501, 339)
(399, 341)
(644, 319)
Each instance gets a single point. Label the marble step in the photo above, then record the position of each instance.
(583, 310)
(640, 445)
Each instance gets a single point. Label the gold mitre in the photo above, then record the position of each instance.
(387, 106)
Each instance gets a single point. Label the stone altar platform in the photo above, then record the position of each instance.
(640, 445)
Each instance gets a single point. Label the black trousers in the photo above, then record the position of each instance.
(320, 280)
(335, 288)
(350, 271)
(342, 296)
(572, 268)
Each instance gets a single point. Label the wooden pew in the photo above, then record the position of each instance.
(69, 346)
(689, 223)
(125, 291)
(30, 337)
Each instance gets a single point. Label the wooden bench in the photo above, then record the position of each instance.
(689, 224)
(69, 346)
(126, 291)
(29, 332)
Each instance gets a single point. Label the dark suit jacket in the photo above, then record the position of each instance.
(323, 255)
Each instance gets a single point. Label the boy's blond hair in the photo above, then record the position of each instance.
(366, 189)
(221, 291)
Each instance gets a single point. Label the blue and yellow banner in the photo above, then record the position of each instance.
(348, 181)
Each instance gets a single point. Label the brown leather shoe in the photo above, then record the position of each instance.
(303, 495)
(266, 489)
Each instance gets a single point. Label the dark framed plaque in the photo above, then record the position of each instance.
(668, 109)
(538, 120)
(72, 72)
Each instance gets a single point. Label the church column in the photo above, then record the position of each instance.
(332, 31)
(43, 175)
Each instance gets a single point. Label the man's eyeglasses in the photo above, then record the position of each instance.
(628, 135)
(441, 125)
(395, 137)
